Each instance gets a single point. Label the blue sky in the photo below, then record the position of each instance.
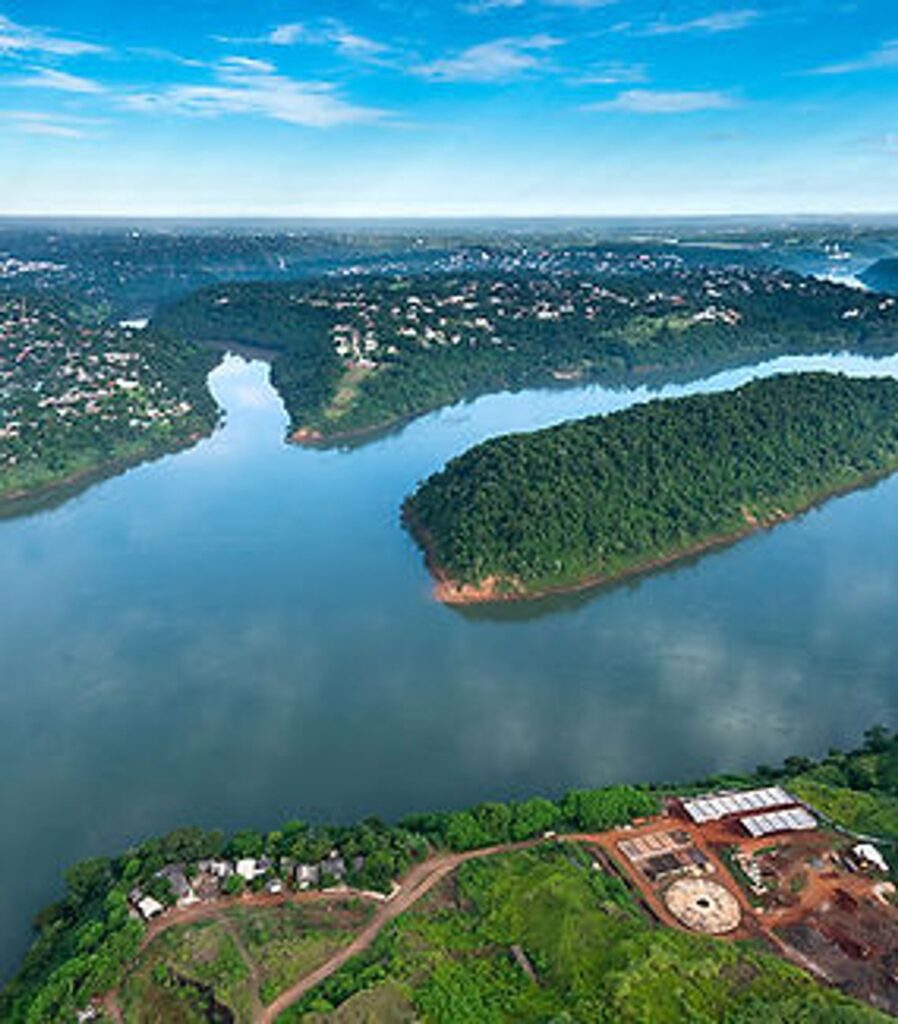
(479, 107)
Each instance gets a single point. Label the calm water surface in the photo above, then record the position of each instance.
(243, 633)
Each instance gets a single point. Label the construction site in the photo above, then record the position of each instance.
(760, 864)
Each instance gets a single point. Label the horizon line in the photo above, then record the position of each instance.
(451, 217)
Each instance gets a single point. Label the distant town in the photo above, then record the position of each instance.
(76, 393)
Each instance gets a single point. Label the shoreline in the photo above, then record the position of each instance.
(43, 495)
(655, 377)
(311, 437)
(452, 592)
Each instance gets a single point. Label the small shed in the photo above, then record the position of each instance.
(868, 857)
(307, 875)
(148, 908)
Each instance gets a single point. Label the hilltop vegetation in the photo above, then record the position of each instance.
(87, 939)
(596, 956)
(364, 352)
(605, 495)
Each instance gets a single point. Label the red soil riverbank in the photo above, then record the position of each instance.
(495, 589)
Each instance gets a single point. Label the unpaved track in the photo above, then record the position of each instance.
(255, 975)
(421, 880)
(417, 884)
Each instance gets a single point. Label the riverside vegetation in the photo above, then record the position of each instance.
(598, 959)
(79, 395)
(356, 354)
(596, 498)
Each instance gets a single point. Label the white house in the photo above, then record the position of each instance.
(148, 908)
(250, 868)
(868, 856)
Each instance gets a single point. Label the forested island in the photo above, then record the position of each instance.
(592, 500)
(79, 397)
(356, 352)
(533, 910)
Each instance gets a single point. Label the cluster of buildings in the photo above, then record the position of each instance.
(57, 374)
(528, 258)
(756, 812)
(208, 879)
(11, 267)
(377, 319)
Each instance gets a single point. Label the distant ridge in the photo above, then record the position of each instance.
(882, 276)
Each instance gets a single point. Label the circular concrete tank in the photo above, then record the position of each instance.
(703, 906)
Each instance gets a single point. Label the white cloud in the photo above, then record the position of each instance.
(648, 101)
(55, 125)
(721, 21)
(885, 56)
(154, 53)
(613, 74)
(49, 78)
(250, 87)
(495, 61)
(286, 35)
(19, 39)
(328, 32)
(351, 44)
(485, 6)
(250, 64)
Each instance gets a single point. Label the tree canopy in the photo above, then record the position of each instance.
(608, 494)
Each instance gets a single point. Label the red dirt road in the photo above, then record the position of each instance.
(426, 875)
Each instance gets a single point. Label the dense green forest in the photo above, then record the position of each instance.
(600, 496)
(352, 355)
(544, 899)
(266, 316)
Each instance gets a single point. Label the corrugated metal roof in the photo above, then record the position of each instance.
(792, 819)
(715, 806)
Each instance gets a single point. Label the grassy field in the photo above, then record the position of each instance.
(870, 812)
(185, 976)
(289, 941)
(207, 971)
(595, 958)
(386, 1003)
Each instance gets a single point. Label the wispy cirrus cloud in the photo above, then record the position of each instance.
(28, 122)
(166, 56)
(19, 39)
(486, 6)
(495, 61)
(709, 24)
(582, 4)
(612, 73)
(245, 86)
(61, 81)
(885, 56)
(327, 32)
(650, 101)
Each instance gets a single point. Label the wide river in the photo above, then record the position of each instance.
(244, 633)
